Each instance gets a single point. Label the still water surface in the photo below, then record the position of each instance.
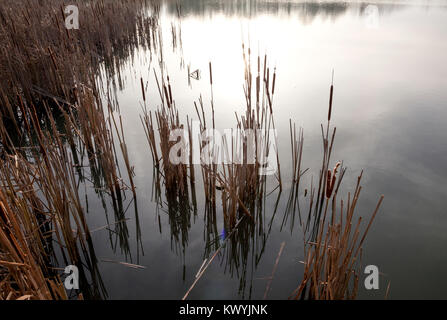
(389, 110)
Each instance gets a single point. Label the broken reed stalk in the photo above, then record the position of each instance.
(267, 289)
(207, 262)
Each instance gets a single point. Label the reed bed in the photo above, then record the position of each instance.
(41, 60)
(96, 128)
(54, 116)
(47, 174)
(250, 149)
(332, 244)
(234, 174)
(22, 277)
(41, 188)
(167, 121)
(243, 155)
(51, 117)
(333, 237)
(332, 261)
(177, 180)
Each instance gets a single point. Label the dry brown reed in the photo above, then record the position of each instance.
(97, 128)
(332, 261)
(293, 203)
(177, 180)
(49, 69)
(333, 247)
(244, 187)
(42, 187)
(237, 179)
(167, 120)
(22, 277)
(50, 74)
(41, 60)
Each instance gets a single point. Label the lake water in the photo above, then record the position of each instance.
(390, 96)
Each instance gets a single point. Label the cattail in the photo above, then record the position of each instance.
(331, 178)
(330, 97)
(265, 66)
(211, 74)
(170, 91)
(329, 184)
(142, 89)
(274, 81)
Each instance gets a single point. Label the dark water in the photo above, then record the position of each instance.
(390, 113)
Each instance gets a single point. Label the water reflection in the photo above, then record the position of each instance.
(246, 246)
(373, 72)
(306, 11)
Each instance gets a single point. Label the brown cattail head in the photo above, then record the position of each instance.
(170, 91)
(328, 184)
(142, 89)
(331, 178)
(330, 98)
(211, 74)
(274, 81)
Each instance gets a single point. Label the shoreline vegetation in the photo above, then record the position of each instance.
(60, 130)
